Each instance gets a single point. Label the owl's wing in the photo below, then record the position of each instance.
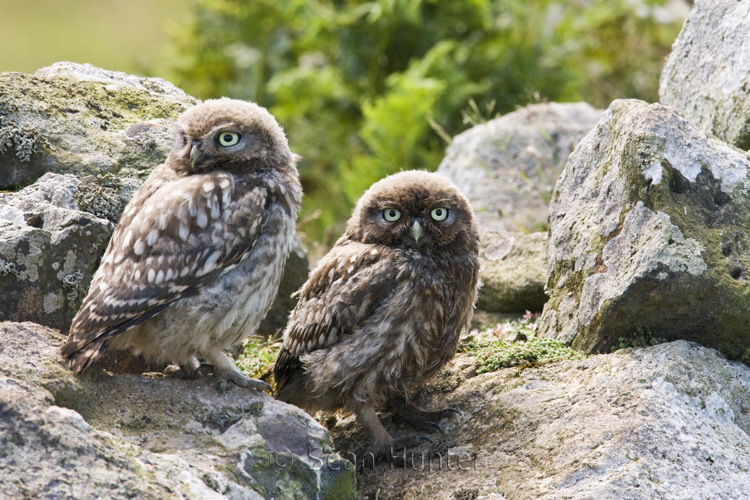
(176, 237)
(342, 293)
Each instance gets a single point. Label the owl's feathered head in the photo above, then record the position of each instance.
(414, 209)
(228, 133)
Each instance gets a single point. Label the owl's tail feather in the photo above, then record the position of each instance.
(81, 353)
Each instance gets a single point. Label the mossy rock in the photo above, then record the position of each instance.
(79, 119)
(649, 229)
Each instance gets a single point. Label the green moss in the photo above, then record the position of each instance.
(494, 353)
(257, 356)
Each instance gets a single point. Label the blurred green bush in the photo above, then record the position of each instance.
(365, 89)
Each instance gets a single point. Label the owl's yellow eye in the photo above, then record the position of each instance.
(391, 214)
(439, 214)
(229, 138)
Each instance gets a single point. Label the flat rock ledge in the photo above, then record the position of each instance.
(101, 435)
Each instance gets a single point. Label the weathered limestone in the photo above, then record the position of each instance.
(514, 271)
(507, 167)
(668, 422)
(125, 436)
(79, 119)
(707, 76)
(649, 229)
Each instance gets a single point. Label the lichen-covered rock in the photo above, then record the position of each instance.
(666, 422)
(514, 272)
(124, 436)
(649, 229)
(49, 250)
(76, 118)
(707, 76)
(507, 167)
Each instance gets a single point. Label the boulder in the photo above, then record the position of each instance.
(514, 271)
(508, 166)
(79, 119)
(668, 422)
(649, 230)
(124, 436)
(100, 134)
(707, 75)
(49, 251)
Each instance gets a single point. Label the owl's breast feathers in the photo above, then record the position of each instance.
(400, 303)
(176, 236)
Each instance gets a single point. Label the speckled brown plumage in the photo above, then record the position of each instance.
(196, 259)
(383, 310)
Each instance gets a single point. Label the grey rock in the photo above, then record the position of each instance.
(668, 422)
(649, 230)
(124, 436)
(49, 251)
(508, 166)
(514, 272)
(76, 118)
(707, 75)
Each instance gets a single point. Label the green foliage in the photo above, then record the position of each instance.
(492, 355)
(257, 356)
(365, 89)
(641, 338)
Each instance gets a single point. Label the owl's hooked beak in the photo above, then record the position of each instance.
(196, 154)
(416, 229)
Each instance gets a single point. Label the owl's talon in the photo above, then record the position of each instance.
(241, 380)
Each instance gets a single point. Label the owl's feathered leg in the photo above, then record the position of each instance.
(225, 371)
(385, 447)
(420, 419)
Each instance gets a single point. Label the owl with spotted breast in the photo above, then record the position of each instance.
(383, 310)
(196, 259)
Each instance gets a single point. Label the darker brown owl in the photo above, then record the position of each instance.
(382, 311)
(196, 259)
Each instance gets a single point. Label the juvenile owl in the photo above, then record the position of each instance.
(196, 260)
(382, 311)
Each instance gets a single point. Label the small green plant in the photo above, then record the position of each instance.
(514, 343)
(494, 355)
(641, 338)
(257, 355)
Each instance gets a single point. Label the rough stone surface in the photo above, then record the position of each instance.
(507, 167)
(123, 436)
(49, 250)
(707, 76)
(514, 271)
(109, 130)
(668, 422)
(649, 229)
(76, 118)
